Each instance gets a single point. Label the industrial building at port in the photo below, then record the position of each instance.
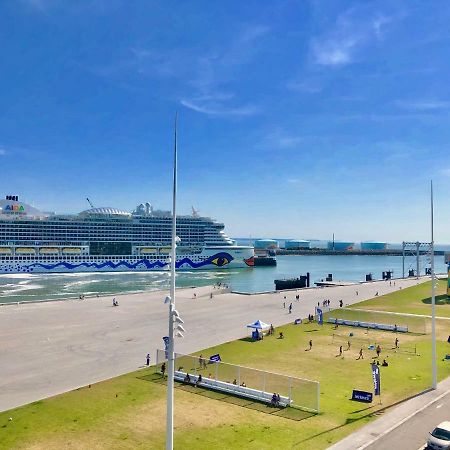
(300, 244)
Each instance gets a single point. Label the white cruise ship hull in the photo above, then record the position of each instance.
(226, 257)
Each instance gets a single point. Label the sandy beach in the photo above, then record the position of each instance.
(50, 348)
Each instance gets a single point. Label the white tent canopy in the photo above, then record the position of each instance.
(258, 325)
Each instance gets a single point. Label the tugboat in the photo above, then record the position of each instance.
(267, 258)
(292, 283)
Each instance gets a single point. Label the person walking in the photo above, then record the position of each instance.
(148, 359)
(163, 369)
(310, 344)
(396, 342)
(340, 351)
(361, 356)
(290, 308)
(378, 350)
(348, 345)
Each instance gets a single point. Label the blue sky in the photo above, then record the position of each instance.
(297, 118)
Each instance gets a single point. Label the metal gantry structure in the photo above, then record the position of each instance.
(416, 250)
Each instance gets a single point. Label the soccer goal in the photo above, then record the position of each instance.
(301, 393)
(414, 323)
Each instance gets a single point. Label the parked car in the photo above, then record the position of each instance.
(440, 437)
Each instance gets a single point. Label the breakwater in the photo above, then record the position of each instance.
(356, 252)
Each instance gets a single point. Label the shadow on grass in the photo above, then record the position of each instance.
(248, 339)
(440, 300)
(287, 413)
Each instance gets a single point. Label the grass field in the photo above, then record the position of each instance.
(129, 411)
(416, 301)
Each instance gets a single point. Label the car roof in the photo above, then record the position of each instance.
(444, 425)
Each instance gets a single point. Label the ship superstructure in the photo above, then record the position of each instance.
(109, 239)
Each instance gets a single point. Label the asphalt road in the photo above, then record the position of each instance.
(413, 434)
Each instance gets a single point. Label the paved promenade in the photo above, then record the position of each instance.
(54, 347)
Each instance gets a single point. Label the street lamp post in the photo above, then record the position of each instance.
(172, 310)
(433, 300)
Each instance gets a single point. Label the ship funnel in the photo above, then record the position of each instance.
(148, 208)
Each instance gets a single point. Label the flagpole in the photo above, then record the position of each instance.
(171, 346)
(433, 300)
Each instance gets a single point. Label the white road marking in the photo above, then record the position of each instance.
(403, 421)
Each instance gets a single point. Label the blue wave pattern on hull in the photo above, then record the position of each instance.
(219, 259)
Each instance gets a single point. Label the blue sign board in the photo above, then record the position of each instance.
(362, 396)
(320, 316)
(215, 358)
(376, 379)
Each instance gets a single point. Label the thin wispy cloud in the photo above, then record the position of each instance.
(308, 86)
(280, 139)
(423, 105)
(217, 68)
(2, 152)
(353, 29)
(445, 172)
(218, 109)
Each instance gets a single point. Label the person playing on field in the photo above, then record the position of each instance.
(378, 350)
(396, 342)
(361, 356)
(348, 345)
(340, 351)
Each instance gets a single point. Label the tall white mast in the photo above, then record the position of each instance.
(171, 346)
(433, 300)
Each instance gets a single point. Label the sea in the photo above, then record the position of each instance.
(40, 287)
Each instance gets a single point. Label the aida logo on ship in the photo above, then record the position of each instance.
(14, 208)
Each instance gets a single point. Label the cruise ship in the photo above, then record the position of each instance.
(108, 239)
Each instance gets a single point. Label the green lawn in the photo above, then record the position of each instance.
(129, 411)
(416, 301)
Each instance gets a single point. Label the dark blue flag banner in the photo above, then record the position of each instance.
(166, 345)
(376, 379)
(215, 358)
(319, 316)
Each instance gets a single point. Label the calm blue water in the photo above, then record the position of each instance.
(22, 287)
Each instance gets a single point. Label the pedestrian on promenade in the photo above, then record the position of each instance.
(290, 308)
(284, 305)
(148, 359)
(361, 356)
(341, 303)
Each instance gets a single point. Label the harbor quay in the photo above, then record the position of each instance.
(52, 347)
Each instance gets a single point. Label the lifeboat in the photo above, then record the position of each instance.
(25, 250)
(165, 250)
(5, 251)
(48, 250)
(146, 250)
(72, 250)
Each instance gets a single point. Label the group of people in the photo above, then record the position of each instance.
(325, 302)
(115, 302)
(275, 401)
(271, 330)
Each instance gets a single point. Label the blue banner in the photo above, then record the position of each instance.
(319, 316)
(376, 379)
(362, 396)
(215, 358)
